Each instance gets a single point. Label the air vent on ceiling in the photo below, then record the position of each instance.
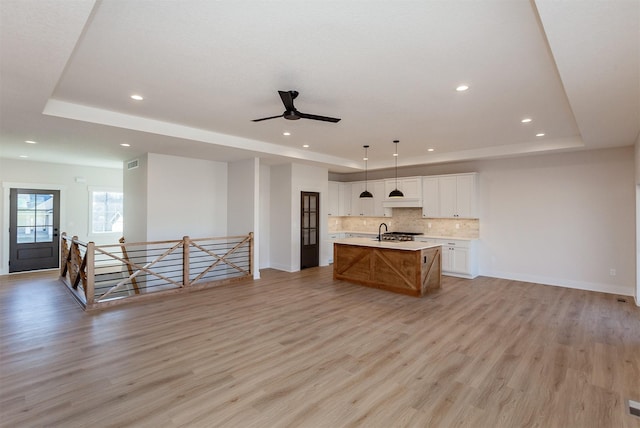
(132, 164)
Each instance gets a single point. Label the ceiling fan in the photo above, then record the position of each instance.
(291, 113)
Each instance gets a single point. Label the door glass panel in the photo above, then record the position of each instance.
(312, 234)
(26, 218)
(25, 201)
(305, 237)
(312, 220)
(306, 203)
(44, 234)
(26, 235)
(313, 204)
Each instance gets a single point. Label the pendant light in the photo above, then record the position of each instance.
(395, 193)
(366, 193)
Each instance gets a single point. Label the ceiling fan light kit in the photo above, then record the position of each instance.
(291, 113)
(366, 193)
(395, 193)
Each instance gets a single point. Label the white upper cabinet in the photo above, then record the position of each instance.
(377, 188)
(450, 196)
(410, 186)
(334, 198)
(345, 199)
(458, 196)
(430, 197)
(368, 207)
(440, 196)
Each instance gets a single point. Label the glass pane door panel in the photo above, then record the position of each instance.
(26, 201)
(26, 218)
(44, 234)
(26, 235)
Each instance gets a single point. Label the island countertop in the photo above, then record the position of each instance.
(392, 245)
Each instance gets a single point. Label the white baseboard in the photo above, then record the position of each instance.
(580, 285)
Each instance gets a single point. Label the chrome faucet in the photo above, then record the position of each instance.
(386, 229)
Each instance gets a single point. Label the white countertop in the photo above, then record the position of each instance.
(417, 237)
(394, 245)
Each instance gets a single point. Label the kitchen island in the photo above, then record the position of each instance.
(408, 267)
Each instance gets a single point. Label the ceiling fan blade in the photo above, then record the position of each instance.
(287, 99)
(266, 118)
(316, 117)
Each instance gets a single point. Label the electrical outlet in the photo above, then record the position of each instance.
(429, 225)
(612, 272)
(457, 225)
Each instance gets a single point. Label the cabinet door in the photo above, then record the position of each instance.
(345, 199)
(334, 198)
(411, 187)
(466, 196)
(448, 195)
(377, 188)
(446, 258)
(430, 197)
(460, 260)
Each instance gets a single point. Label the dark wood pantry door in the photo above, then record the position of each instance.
(309, 229)
(34, 221)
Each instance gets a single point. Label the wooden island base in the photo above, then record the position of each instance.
(412, 272)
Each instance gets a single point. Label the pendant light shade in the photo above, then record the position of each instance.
(395, 193)
(366, 193)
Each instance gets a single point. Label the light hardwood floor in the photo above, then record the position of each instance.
(303, 350)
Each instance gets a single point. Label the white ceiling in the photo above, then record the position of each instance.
(389, 69)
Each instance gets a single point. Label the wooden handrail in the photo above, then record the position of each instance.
(80, 269)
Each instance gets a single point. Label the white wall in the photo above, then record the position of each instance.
(243, 203)
(135, 200)
(306, 178)
(264, 216)
(637, 162)
(74, 196)
(280, 212)
(287, 181)
(563, 219)
(185, 197)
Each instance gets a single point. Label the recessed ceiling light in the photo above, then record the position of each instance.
(286, 134)
(30, 142)
(430, 150)
(125, 145)
(540, 134)
(526, 120)
(462, 88)
(137, 97)
(306, 146)
(23, 156)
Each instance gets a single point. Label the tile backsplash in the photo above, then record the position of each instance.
(409, 220)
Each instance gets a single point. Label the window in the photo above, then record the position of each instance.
(106, 211)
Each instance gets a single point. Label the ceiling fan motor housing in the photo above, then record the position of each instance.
(291, 115)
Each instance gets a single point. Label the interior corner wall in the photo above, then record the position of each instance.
(563, 219)
(135, 200)
(242, 208)
(307, 178)
(74, 195)
(281, 241)
(184, 197)
(264, 217)
(637, 163)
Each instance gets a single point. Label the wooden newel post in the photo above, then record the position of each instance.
(63, 254)
(91, 272)
(185, 261)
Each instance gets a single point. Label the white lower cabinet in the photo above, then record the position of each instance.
(459, 257)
